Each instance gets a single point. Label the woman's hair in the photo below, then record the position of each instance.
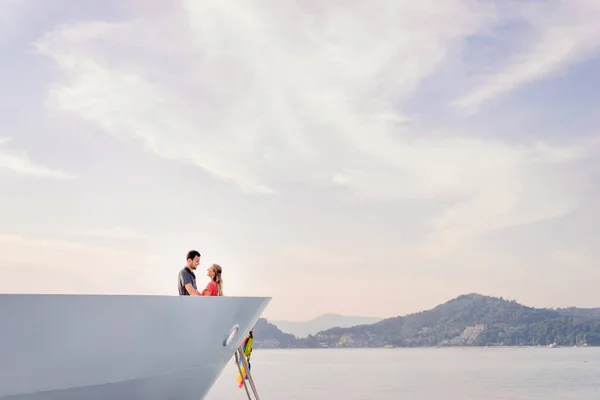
(218, 280)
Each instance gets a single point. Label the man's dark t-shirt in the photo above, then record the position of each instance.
(186, 276)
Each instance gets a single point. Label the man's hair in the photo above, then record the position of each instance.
(192, 254)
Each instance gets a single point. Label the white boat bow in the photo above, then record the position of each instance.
(100, 347)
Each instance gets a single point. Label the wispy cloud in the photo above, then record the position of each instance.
(113, 233)
(261, 102)
(7, 8)
(265, 101)
(18, 162)
(564, 33)
(45, 243)
(61, 266)
(319, 256)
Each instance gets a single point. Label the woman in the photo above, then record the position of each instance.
(215, 286)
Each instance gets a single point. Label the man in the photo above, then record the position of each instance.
(187, 278)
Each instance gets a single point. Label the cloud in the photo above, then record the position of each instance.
(113, 233)
(44, 243)
(19, 162)
(261, 96)
(7, 9)
(564, 33)
(318, 257)
(42, 265)
(264, 101)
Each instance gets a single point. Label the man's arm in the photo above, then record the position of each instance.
(191, 290)
(186, 280)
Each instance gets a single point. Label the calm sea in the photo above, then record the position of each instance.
(420, 374)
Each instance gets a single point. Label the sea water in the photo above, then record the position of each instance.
(471, 373)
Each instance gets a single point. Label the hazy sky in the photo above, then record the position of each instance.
(367, 158)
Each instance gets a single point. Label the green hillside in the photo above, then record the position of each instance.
(468, 320)
(475, 320)
(267, 335)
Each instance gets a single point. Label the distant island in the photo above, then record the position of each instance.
(468, 320)
(304, 328)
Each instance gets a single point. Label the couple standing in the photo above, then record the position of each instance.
(187, 278)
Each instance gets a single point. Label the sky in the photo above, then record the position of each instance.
(370, 159)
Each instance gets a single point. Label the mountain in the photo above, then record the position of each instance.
(267, 335)
(473, 319)
(321, 323)
(580, 312)
(468, 320)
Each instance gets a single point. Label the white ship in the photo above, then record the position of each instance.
(101, 347)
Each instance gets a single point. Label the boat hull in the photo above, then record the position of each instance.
(118, 347)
